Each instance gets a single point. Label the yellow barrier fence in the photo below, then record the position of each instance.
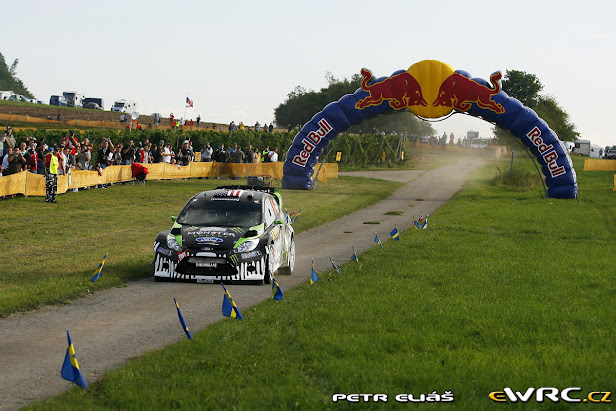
(31, 184)
(597, 164)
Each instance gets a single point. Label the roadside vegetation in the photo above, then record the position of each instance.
(504, 289)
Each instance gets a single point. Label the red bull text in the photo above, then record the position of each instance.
(311, 141)
(547, 152)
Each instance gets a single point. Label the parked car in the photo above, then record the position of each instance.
(92, 105)
(57, 101)
(610, 154)
(230, 234)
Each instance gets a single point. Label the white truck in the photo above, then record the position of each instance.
(124, 106)
(73, 99)
(582, 147)
(5, 95)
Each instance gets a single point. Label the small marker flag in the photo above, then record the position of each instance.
(377, 239)
(289, 220)
(229, 309)
(276, 291)
(186, 330)
(99, 270)
(394, 234)
(421, 217)
(297, 215)
(70, 368)
(417, 225)
(354, 257)
(189, 102)
(334, 265)
(313, 275)
(425, 224)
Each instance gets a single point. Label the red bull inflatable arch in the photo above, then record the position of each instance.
(431, 89)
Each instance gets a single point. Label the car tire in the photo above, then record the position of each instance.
(288, 270)
(268, 276)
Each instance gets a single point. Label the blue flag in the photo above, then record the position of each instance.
(186, 330)
(425, 224)
(394, 234)
(297, 215)
(70, 368)
(99, 270)
(229, 309)
(276, 291)
(313, 275)
(377, 239)
(334, 265)
(354, 257)
(417, 225)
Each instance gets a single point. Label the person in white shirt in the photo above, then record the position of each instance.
(273, 155)
(167, 153)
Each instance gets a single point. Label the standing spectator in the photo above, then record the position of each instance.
(255, 155)
(257, 126)
(51, 164)
(248, 154)
(17, 162)
(206, 153)
(265, 155)
(198, 120)
(241, 125)
(232, 125)
(105, 154)
(171, 119)
(117, 155)
(231, 151)
(128, 154)
(157, 150)
(5, 161)
(32, 157)
(9, 140)
(221, 154)
(83, 158)
(451, 137)
(167, 153)
(271, 127)
(273, 155)
(238, 155)
(183, 156)
(59, 117)
(265, 127)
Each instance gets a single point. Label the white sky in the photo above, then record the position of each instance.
(239, 59)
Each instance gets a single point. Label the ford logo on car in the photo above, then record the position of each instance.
(209, 240)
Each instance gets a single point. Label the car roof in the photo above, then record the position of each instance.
(230, 193)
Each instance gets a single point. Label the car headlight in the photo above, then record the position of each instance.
(172, 243)
(247, 245)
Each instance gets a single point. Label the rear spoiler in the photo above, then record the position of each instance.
(262, 189)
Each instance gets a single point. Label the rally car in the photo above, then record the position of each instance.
(229, 234)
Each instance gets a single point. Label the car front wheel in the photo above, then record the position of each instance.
(288, 270)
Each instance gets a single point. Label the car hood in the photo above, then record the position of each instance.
(211, 237)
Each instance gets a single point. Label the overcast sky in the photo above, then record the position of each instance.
(238, 60)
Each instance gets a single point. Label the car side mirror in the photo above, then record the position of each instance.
(278, 222)
(173, 218)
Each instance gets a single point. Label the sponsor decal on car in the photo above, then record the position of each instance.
(209, 240)
(164, 251)
(182, 255)
(252, 254)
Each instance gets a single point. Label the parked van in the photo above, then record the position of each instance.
(73, 99)
(480, 142)
(5, 95)
(124, 106)
(582, 147)
(57, 101)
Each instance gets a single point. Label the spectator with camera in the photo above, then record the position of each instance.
(105, 154)
(17, 162)
(128, 154)
(83, 158)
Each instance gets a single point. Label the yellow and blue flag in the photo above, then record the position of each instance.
(394, 234)
(354, 257)
(70, 368)
(297, 215)
(334, 265)
(377, 239)
(99, 270)
(186, 330)
(417, 225)
(276, 291)
(313, 275)
(229, 309)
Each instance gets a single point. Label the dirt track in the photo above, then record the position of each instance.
(110, 327)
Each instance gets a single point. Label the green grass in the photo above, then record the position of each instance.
(51, 250)
(504, 289)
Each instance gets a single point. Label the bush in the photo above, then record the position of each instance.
(518, 178)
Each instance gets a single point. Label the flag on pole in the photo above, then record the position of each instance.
(394, 234)
(334, 265)
(425, 224)
(377, 239)
(297, 215)
(189, 102)
(313, 275)
(70, 368)
(276, 291)
(421, 219)
(186, 330)
(289, 220)
(98, 271)
(229, 309)
(354, 257)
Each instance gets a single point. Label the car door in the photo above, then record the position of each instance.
(271, 212)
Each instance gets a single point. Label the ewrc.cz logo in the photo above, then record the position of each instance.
(550, 393)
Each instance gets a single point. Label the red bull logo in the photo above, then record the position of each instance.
(430, 81)
(311, 141)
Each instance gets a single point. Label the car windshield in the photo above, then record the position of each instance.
(221, 213)
(118, 105)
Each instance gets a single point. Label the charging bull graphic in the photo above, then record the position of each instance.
(447, 90)
(459, 92)
(401, 90)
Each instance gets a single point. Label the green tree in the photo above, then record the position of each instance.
(9, 80)
(526, 88)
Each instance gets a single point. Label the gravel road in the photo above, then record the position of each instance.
(113, 326)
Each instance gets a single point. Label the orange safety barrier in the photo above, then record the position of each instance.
(31, 184)
(597, 164)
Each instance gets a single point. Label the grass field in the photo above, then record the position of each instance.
(504, 289)
(50, 251)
